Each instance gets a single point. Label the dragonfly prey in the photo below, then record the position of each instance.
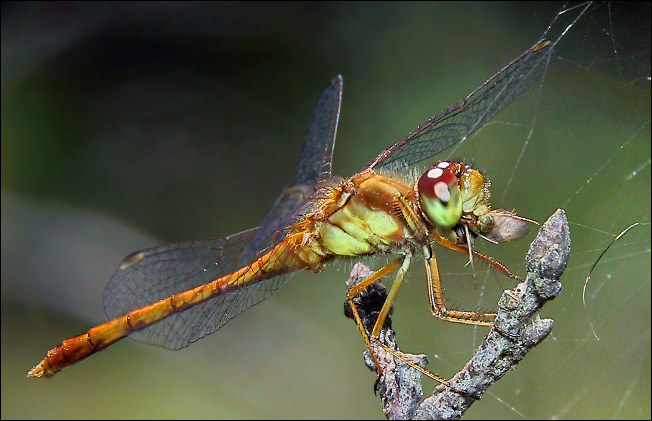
(175, 294)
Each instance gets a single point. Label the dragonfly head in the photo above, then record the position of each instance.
(453, 195)
(440, 197)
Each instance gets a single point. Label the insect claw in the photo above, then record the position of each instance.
(377, 385)
(511, 336)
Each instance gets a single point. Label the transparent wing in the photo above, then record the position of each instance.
(274, 226)
(460, 120)
(157, 273)
(315, 165)
(154, 274)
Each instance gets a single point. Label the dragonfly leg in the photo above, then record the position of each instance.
(382, 316)
(463, 249)
(391, 295)
(438, 302)
(355, 291)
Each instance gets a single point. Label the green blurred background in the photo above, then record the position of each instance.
(127, 125)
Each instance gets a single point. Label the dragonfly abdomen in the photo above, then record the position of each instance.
(289, 255)
(77, 348)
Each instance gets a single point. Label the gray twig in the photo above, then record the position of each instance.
(517, 330)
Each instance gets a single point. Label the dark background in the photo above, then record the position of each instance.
(126, 125)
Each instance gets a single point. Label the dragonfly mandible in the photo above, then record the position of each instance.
(175, 294)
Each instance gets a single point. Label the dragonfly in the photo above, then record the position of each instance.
(172, 295)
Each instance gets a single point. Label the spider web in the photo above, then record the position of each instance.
(579, 140)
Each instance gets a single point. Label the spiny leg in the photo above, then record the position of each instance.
(355, 291)
(382, 316)
(391, 295)
(463, 249)
(438, 302)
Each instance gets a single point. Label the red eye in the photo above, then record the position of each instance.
(435, 183)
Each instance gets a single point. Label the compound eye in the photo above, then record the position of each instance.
(439, 195)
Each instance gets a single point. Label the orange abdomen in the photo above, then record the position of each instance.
(289, 255)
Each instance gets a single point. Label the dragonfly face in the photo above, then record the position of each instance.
(440, 193)
(454, 198)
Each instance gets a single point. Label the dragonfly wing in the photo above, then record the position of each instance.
(316, 162)
(181, 329)
(315, 165)
(154, 274)
(157, 273)
(281, 215)
(460, 120)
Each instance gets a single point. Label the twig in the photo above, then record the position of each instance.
(516, 331)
